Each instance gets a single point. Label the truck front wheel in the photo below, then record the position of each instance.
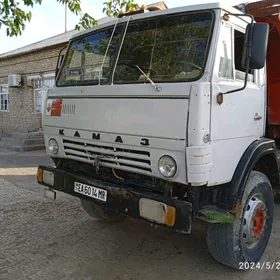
(99, 213)
(243, 242)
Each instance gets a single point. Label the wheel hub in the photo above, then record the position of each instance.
(254, 221)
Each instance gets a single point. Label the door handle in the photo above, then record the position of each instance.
(257, 117)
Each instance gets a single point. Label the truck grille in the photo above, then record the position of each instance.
(109, 156)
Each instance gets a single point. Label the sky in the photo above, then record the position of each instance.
(48, 19)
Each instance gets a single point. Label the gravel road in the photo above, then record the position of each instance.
(43, 239)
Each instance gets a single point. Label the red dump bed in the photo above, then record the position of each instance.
(268, 11)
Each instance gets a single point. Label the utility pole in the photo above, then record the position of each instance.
(65, 29)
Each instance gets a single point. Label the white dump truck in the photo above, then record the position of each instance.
(162, 115)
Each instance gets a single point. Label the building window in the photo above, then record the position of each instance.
(4, 98)
(39, 96)
(41, 86)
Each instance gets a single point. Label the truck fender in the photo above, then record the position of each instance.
(260, 156)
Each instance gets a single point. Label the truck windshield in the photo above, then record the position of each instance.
(85, 59)
(169, 48)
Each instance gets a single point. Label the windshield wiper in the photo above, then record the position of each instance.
(152, 83)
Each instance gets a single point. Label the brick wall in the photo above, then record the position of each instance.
(21, 115)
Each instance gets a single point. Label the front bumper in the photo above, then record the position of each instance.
(120, 198)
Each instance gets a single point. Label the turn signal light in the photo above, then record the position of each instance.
(40, 175)
(170, 214)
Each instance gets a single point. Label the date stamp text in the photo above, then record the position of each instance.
(259, 265)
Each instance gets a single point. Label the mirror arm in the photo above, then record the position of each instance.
(247, 59)
(245, 82)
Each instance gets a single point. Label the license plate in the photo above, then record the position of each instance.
(90, 191)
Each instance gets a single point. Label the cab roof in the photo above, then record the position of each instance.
(189, 8)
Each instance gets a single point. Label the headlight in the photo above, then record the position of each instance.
(53, 146)
(167, 166)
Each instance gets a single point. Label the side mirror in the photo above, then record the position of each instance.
(255, 46)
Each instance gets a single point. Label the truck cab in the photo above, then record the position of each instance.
(162, 116)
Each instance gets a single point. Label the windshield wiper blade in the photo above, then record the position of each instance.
(152, 83)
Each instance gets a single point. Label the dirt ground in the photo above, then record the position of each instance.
(43, 239)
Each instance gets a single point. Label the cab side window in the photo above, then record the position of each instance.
(230, 66)
(239, 38)
(226, 63)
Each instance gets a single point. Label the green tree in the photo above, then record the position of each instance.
(13, 15)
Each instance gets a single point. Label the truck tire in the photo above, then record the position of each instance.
(100, 214)
(241, 244)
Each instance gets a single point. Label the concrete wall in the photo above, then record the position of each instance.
(21, 115)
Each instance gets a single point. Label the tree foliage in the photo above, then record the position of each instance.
(113, 7)
(14, 16)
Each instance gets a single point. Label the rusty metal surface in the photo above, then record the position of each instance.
(237, 209)
(265, 8)
(269, 11)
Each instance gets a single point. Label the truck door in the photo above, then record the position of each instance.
(239, 120)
